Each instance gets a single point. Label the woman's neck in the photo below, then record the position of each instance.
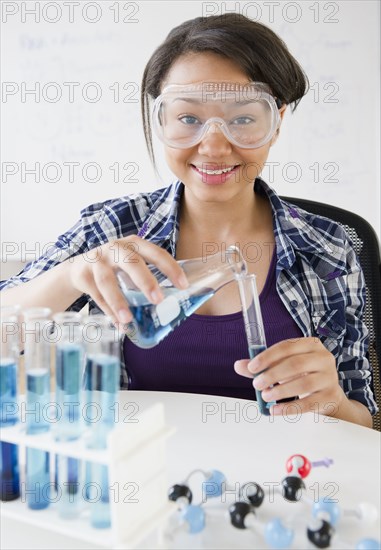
(245, 214)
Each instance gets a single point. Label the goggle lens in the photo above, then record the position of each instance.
(248, 118)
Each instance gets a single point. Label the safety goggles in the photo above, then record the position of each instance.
(247, 114)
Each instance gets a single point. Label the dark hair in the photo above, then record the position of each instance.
(255, 48)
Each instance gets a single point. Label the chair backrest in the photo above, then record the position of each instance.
(367, 247)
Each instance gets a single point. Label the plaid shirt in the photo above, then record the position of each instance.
(319, 278)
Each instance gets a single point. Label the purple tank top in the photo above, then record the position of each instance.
(199, 356)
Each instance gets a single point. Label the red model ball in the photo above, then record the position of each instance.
(298, 465)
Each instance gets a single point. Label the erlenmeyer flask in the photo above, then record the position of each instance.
(206, 276)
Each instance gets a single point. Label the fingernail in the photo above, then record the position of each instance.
(183, 281)
(156, 296)
(124, 316)
(267, 395)
(252, 366)
(258, 383)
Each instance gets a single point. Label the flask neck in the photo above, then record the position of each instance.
(215, 271)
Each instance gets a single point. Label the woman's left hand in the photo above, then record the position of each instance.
(300, 367)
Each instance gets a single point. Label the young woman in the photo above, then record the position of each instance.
(221, 85)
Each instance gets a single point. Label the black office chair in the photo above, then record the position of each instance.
(367, 247)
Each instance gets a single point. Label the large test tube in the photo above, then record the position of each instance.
(255, 332)
(37, 355)
(69, 373)
(101, 384)
(9, 412)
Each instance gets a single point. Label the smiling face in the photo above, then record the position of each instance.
(214, 169)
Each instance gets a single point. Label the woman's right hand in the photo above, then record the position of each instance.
(93, 273)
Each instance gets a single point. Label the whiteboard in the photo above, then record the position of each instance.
(84, 140)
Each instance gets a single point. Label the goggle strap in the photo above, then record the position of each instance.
(215, 87)
(278, 102)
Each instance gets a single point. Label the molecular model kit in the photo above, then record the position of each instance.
(317, 522)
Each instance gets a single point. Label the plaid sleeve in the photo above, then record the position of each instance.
(355, 372)
(68, 245)
(98, 223)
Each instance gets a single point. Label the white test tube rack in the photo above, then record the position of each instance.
(136, 453)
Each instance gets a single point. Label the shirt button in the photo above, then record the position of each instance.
(294, 303)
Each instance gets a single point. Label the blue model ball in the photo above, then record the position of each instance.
(195, 517)
(277, 535)
(213, 485)
(323, 507)
(368, 544)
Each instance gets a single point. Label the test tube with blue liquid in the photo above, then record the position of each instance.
(9, 410)
(37, 354)
(69, 371)
(101, 383)
(69, 363)
(255, 332)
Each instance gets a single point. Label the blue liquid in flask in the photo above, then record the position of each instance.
(149, 326)
(264, 406)
(68, 391)
(8, 393)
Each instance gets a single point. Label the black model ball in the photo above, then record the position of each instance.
(320, 534)
(179, 491)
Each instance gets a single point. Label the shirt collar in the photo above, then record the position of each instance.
(293, 231)
(161, 223)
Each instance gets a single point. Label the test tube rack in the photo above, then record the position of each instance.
(135, 454)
